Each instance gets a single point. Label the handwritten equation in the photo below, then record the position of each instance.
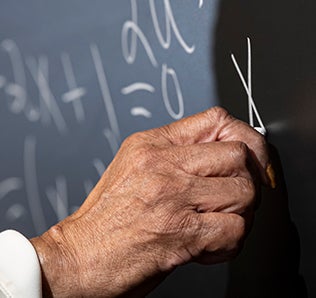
(49, 109)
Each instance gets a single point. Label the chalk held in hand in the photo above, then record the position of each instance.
(262, 130)
(252, 107)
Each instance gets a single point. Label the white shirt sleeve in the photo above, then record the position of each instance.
(20, 272)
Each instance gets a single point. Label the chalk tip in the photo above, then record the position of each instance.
(261, 130)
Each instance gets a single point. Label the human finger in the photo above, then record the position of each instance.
(226, 195)
(221, 237)
(240, 131)
(215, 159)
(216, 124)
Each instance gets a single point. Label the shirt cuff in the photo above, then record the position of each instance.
(20, 271)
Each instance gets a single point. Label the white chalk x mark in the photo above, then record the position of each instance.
(248, 89)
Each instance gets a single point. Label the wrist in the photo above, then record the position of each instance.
(58, 265)
(78, 262)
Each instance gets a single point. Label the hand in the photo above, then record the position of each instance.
(186, 191)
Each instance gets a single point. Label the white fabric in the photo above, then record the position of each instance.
(20, 272)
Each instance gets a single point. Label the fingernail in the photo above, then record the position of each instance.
(271, 175)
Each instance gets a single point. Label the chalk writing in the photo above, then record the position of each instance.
(15, 212)
(8, 185)
(76, 93)
(58, 197)
(31, 185)
(113, 135)
(138, 87)
(170, 23)
(17, 89)
(47, 95)
(99, 166)
(32, 96)
(164, 76)
(88, 186)
(140, 111)
(2, 81)
(129, 53)
(165, 42)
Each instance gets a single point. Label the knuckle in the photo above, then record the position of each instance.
(141, 151)
(133, 139)
(219, 115)
(248, 191)
(239, 152)
(239, 228)
(219, 112)
(143, 157)
(244, 195)
(159, 185)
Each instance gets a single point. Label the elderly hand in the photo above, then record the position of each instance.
(186, 191)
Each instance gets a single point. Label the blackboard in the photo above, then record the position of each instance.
(77, 77)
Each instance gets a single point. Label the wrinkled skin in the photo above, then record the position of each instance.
(180, 193)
